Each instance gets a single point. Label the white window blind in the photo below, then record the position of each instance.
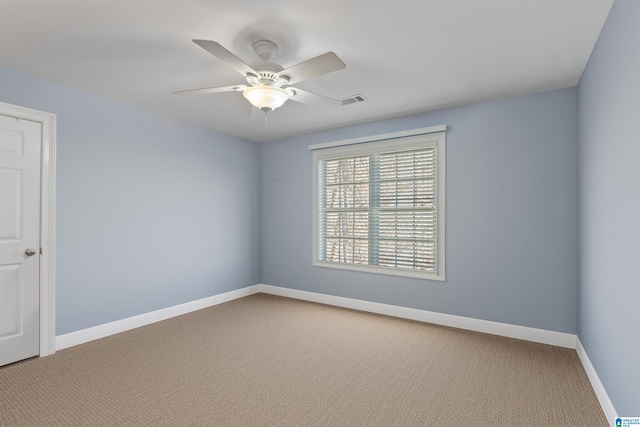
(379, 205)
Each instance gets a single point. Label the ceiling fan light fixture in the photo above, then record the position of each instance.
(266, 98)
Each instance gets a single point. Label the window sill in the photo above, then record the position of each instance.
(381, 270)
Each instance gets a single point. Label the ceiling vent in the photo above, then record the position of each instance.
(353, 99)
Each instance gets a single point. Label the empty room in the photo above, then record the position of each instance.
(322, 213)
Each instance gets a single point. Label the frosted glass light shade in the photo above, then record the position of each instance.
(266, 98)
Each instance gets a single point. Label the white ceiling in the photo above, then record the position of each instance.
(404, 56)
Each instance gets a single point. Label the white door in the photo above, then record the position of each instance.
(20, 146)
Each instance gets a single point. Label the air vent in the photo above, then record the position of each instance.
(353, 99)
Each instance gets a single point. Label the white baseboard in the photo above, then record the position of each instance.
(606, 404)
(559, 339)
(101, 331)
(503, 329)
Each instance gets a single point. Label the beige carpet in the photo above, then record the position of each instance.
(271, 361)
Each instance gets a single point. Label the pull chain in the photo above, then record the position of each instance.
(266, 122)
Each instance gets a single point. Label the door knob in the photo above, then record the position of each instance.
(30, 252)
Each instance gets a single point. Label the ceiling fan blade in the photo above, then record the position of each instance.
(323, 64)
(220, 52)
(208, 90)
(311, 98)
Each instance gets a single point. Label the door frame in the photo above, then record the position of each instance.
(47, 220)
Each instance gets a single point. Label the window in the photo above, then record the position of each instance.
(379, 206)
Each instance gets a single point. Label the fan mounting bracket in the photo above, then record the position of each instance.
(265, 49)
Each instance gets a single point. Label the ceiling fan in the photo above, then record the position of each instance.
(269, 83)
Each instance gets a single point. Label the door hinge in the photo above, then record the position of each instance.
(41, 250)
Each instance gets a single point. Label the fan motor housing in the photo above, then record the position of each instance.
(268, 74)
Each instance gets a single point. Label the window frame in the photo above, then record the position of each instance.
(399, 141)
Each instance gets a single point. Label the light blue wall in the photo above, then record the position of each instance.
(151, 212)
(512, 233)
(609, 153)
